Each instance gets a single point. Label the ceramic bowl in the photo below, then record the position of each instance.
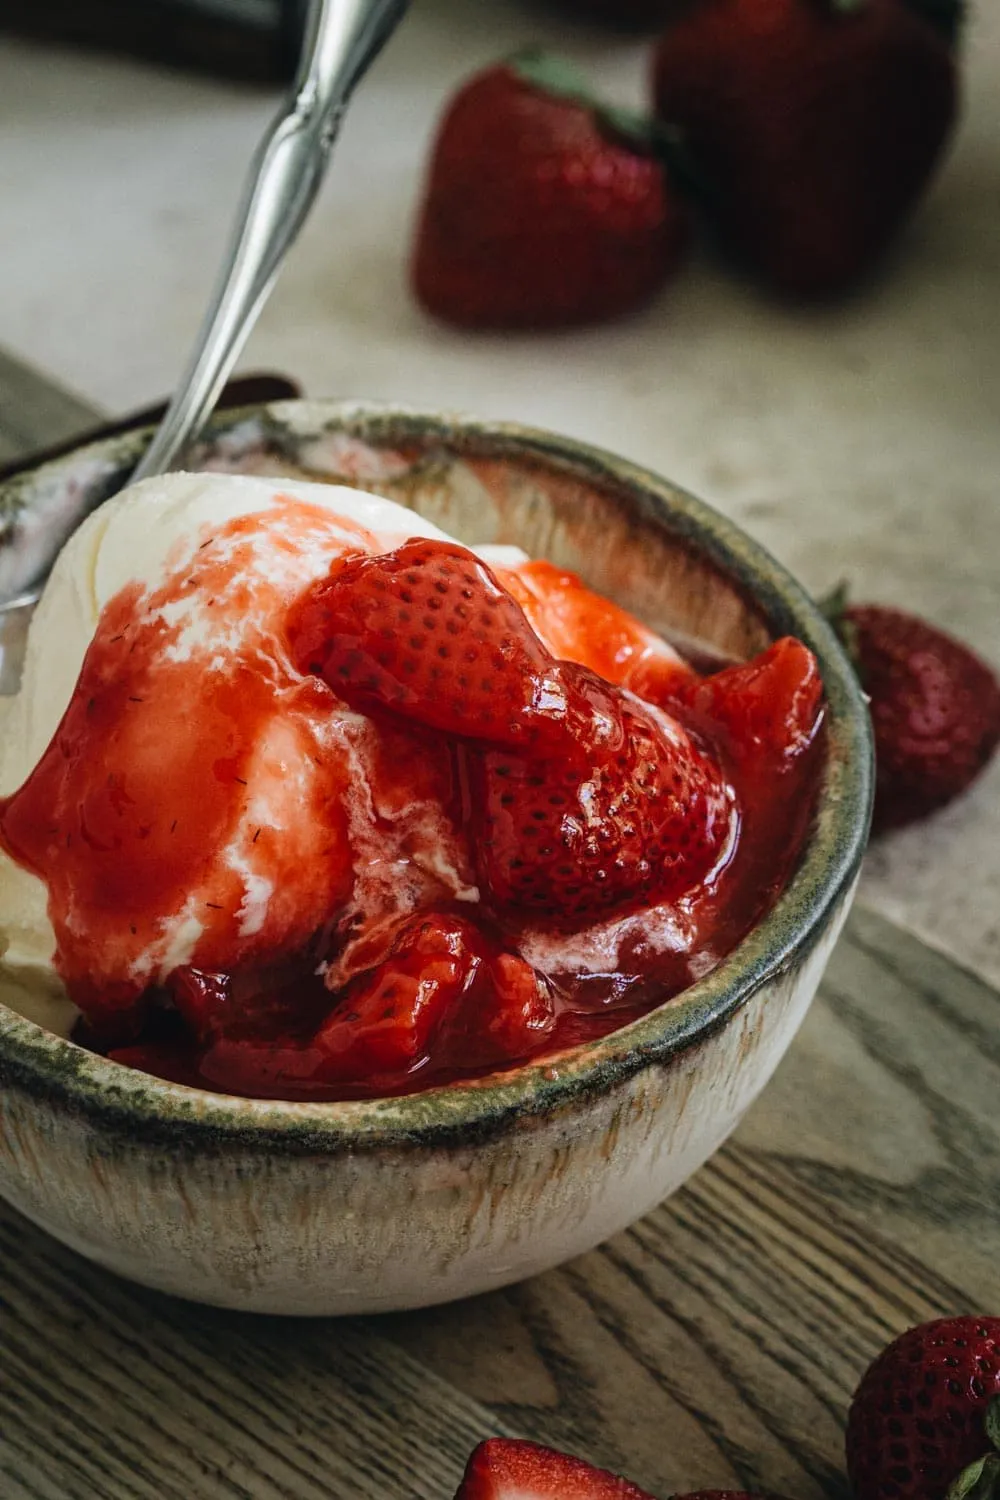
(359, 1207)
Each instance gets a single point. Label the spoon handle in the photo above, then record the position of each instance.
(344, 37)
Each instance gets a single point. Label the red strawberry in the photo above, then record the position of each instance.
(919, 1417)
(379, 1026)
(582, 801)
(427, 632)
(727, 1495)
(812, 125)
(769, 708)
(577, 836)
(935, 709)
(508, 1469)
(540, 212)
(505, 1016)
(442, 980)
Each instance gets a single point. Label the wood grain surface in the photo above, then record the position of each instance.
(716, 1342)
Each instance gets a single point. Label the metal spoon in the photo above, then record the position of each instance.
(343, 39)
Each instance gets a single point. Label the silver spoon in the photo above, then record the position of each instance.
(343, 39)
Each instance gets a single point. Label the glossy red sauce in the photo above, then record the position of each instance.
(176, 788)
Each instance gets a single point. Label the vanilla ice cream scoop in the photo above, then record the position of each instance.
(180, 583)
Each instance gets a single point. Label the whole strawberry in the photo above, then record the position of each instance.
(927, 1410)
(935, 709)
(812, 127)
(539, 211)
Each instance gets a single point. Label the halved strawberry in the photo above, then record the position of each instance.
(427, 632)
(583, 801)
(510, 1469)
(579, 835)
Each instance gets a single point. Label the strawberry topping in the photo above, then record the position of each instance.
(578, 838)
(521, 761)
(768, 708)
(582, 800)
(442, 982)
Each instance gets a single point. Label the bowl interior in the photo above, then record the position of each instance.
(662, 554)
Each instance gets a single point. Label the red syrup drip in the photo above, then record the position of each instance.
(126, 814)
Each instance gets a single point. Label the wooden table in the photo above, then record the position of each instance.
(716, 1343)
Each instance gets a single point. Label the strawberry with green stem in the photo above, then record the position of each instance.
(542, 210)
(924, 1423)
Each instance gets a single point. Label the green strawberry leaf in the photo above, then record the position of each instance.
(833, 608)
(991, 1422)
(979, 1481)
(638, 129)
(552, 75)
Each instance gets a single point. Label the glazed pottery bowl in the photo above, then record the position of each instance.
(358, 1207)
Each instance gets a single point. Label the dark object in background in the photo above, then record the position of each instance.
(812, 127)
(256, 40)
(242, 390)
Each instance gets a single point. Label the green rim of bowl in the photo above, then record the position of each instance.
(121, 1099)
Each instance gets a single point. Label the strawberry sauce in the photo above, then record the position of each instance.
(408, 823)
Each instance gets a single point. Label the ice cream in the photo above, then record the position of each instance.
(151, 532)
(253, 797)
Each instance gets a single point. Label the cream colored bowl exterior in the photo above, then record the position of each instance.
(351, 1208)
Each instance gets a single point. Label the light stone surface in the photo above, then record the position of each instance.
(859, 440)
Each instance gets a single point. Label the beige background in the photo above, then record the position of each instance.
(860, 440)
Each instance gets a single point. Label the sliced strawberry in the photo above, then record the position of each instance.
(509, 1469)
(381, 1026)
(578, 836)
(505, 1016)
(580, 626)
(769, 708)
(203, 999)
(427, 632)
(583, 801)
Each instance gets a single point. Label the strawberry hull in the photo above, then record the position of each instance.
(330, 1208)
